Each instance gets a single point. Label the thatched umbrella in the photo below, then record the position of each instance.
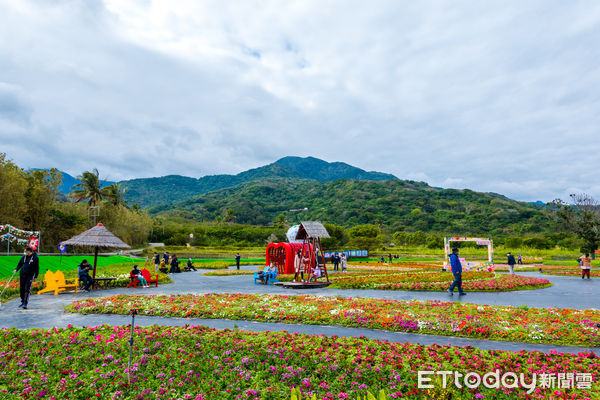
(98, 236)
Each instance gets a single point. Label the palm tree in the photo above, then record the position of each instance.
(115, 194)
(89, 188)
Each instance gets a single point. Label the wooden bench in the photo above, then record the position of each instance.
(56, 282)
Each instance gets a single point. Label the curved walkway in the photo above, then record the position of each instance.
(46, 311)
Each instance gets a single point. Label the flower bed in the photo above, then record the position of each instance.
(573, 272)
(572, 327)
(119, 271)
(437, 281)
(199, 363)
(12, 290)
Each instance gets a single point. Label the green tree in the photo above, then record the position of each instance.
(42, 188)
(89, 189)
(400, 238)
(338, 237)
(280, 221)
(115, 195)
(365, 237)
(582, 217)
(13, 187)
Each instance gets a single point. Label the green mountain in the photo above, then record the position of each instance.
(148, 192)
(397, 204)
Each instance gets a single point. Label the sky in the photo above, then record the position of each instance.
(492, 96)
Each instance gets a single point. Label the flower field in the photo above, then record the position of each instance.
(199, 363)
(436, 281)
(118, 271)
(573, 272)
(535, 325)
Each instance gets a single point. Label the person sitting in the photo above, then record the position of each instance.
(174, 265)
(189, 266)
(316, 273)
(136, 273)
(83, 270)
(163, 267)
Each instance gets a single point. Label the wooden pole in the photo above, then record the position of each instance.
(324, 262)
(95, 261)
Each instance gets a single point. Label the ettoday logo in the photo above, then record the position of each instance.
(508, 380)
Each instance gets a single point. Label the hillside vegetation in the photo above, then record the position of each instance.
(396, 204)
(168, 189)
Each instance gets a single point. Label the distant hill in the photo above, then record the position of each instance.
(398, 204)
(148, 192)
(68, 181)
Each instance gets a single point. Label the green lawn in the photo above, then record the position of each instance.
(54, 263)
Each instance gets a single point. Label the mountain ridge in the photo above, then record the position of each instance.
(148, 192)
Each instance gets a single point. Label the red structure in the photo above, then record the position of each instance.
(282, 255)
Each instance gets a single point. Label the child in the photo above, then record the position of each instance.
(316, 273)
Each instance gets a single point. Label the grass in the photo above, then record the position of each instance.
(70, 263)
(67, 263)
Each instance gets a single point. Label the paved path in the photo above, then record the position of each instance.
(47, 310)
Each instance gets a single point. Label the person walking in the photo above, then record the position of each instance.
(391, 259)
(237, 260)
(29, 267)
(83, 271)
(586, 265)
(457, 272)
(519, 259)
(511, 263)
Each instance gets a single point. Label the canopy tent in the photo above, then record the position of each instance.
(97, 237)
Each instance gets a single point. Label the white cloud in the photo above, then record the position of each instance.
(493, 97)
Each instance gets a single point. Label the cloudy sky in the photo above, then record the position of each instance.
(492, 96)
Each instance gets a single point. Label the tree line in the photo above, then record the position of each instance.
(29, 199)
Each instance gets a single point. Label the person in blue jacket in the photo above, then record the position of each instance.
(457, 272)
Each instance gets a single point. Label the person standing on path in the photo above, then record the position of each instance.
(457, 272)
(298, 266)
(511, 263)
(344, 262)
(237, 260)
(336, 261)
(519, 259)
(29, 267)
(391, 259)
(586, 265)
(156, 262)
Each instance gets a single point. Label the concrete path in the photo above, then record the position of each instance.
(46, 310)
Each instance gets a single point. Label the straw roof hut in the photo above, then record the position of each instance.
(311, 229)
(97, 237)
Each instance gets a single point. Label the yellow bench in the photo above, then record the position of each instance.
(56, 282)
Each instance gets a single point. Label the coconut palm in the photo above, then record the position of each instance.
(115, 194)
(89, 188)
